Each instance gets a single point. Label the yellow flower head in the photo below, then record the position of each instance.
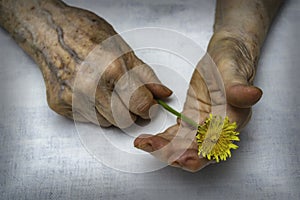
(215, 138)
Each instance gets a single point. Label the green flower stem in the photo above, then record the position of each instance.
(181, 116)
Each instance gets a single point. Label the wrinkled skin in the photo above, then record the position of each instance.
(198, 105)
(239, 31)
(62, 39)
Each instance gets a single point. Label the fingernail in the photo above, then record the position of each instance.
(167, 90)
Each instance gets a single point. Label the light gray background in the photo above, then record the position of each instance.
(41, 156)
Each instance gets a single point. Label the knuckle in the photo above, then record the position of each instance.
(60, 101)
(149, 74)
(113, 73)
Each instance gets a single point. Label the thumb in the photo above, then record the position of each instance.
(239, 92)
(149, 78)
(243, 96)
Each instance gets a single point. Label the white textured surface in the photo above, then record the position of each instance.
(41, 156)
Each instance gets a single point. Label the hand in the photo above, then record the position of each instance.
(125, 88)
(92, 67)
(205, 96)
(87, 68)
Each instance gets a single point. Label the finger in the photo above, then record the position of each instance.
(190, 161)
(102, 121)
(170, 133)
(144, 72)
(112, 109)
(135, 96)
(121, 115)
(152, 143)
(156, 142)
(185, 153)
(132, 91)
(148, 77)
(185, 158)
(179, 152)
(141, 101)
(243, 96)
(238, 85)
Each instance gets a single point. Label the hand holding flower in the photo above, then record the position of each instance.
(239, 31)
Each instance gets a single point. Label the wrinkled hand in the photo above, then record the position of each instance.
(177, 145)
(90, 73)
(126, 87)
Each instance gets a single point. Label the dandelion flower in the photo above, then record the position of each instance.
(215, 138)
